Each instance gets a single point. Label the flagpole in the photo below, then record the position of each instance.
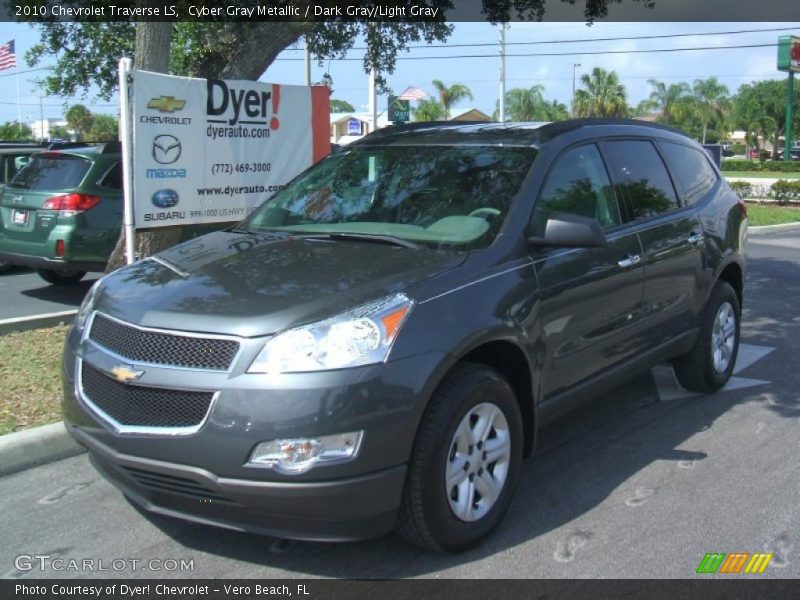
(19, 111)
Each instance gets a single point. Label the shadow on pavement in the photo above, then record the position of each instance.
(68, 295)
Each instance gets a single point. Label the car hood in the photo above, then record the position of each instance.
(253, 284)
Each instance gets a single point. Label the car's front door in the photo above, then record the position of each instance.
(590, 297)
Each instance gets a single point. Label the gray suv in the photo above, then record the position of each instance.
(375, 347)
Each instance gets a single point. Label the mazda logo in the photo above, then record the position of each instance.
(166, 149)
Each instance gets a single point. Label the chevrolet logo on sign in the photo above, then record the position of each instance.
(124, 373)
(166, 104)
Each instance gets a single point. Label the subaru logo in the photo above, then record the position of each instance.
(166, 149)
(165, 198)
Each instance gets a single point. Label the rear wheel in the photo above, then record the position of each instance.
(709, 365)
(465, 462)
(60, 277)
(5, 267)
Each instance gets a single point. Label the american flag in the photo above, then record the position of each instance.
(8, 58)
(412, 93)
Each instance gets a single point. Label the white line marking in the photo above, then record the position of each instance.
(63, 313)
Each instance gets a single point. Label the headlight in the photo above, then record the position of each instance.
(360, 336)
(86, 306)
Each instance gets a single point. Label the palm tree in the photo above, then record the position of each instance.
(672, 100)
(603, 96)
(429, 110)
(555, 111)
(448, 96)
(711, 101)
(525, 105)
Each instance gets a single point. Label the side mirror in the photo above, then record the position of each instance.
(571, 231)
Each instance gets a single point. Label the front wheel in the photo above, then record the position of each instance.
(60, 277)
(465, 461)
(709, 365)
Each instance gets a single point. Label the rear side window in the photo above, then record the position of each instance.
(638, 170)
(578, 184)
(52, 172)
(113, 179)
(692, 170)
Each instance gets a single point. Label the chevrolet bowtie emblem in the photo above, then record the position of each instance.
(125, 373)
(166, 104)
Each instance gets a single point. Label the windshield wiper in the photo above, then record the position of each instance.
(365, 237)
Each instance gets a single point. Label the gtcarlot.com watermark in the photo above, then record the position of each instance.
(48, 563)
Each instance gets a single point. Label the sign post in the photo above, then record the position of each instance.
(789, 60)
(127, 153)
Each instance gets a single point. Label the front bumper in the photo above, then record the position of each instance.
(348, 509)
(204, 476)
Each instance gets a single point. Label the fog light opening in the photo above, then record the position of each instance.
(298, 455)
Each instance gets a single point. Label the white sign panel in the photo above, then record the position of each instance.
(207, 151)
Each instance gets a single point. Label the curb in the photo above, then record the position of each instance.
(36, 321)
(33, 447)
(768, 228)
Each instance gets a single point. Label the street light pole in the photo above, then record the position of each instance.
(502, 72)
(574, 70)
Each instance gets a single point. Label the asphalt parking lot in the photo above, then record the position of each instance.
(23, 294)
(642, 482)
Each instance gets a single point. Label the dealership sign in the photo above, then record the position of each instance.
(789, 53)
(207, 151)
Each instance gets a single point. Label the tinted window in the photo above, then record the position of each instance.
(692, 170)
(113, 178)
(638, 169)
(577, 184)
(52, 172)
(435, 194)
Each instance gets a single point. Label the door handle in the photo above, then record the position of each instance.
(695, 238)
(626, 263)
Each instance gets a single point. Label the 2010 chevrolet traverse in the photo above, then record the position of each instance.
(376, 345)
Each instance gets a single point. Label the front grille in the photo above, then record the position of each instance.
(173, 484)
(158, 348)
(140, 406)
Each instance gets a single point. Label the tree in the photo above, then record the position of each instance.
(711, 101)
(450, 95)
(104, 129)
(428, 110)
(80, 120)
(764, 99)
(15, 132)
(525, 104)
(671, 100)
(341, 106)
(59, 132)
(603, 96)
(554, 111)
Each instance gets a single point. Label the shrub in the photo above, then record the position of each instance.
(785, 191)
(743, 189)
(741, 165)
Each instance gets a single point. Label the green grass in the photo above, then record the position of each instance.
(763, 214)
(30, 389)
(761, 174)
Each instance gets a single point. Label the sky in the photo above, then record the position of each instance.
(417, 68)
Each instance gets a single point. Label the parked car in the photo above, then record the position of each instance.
(62, 213)
(13, 156)
(375, 347)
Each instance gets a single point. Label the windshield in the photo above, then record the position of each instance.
(452, 195)
(51, 172)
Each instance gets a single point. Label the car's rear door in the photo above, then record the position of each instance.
(670, 232)
(590, 297)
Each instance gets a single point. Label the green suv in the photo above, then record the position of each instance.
(61, 214)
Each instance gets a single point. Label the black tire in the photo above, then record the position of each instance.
(696, 369)
(60, 277)
(426, 518)
(5, 267)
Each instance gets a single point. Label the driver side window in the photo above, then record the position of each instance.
(578, 184)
